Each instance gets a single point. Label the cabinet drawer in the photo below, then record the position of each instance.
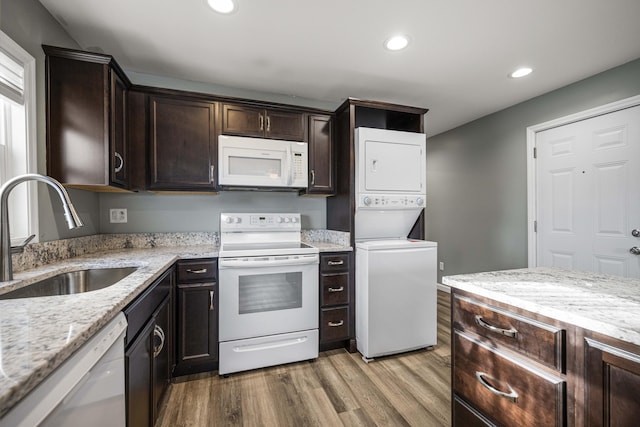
(539, 341)
(334, 263)
(334, 324)
(197, 270)
(465, 416)
(504, 388)
(334, 289)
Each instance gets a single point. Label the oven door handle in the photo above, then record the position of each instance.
(270, 262)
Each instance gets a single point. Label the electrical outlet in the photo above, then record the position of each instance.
(441, 266)
(118, 215)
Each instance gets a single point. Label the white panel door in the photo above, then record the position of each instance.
(588, 200)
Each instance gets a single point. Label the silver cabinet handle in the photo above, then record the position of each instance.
(335, 262)
(200, 271)
(158, 332)
(336, 324)
(268, 124)
(340, 289)
(511, 395)
(313, 177)
(211, 293)
(212, 173)
(118, 157)
(511, 333)
(635, 250)
(261, 121)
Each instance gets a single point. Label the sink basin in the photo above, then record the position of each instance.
(73, 282)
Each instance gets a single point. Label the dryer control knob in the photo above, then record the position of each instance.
(366, 201)
(419, 201)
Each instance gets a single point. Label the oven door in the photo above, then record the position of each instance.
(267, 295)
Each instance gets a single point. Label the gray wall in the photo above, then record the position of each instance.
(148, 212)
(476, 174)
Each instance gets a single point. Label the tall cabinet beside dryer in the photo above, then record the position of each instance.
(354, 113)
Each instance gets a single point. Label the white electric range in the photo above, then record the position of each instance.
(268, 286)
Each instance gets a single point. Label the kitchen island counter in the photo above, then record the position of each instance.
(608, 305)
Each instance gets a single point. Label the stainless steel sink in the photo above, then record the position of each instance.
(73, 282)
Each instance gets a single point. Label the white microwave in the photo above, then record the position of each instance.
(262, 163)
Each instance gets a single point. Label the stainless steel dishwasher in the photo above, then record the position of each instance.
(87, 389)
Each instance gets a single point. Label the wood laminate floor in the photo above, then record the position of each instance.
(337, 389)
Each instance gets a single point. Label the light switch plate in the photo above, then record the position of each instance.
(118, 215)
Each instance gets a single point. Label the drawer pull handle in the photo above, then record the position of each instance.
(200, 271)
(335, 262)
(511, 333)
(336, 324)
(340, 289)
(512, 395)
(211, 294)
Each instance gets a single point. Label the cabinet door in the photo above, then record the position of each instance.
(612, 384)
(244, 121)
(182, 145)
(284, 125)
(138, 358)
(197, 324)
(119, 145)
(321, 177)
(161, 346)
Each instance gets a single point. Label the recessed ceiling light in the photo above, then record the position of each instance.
(396, 42)
(521, 72)
(222, 6)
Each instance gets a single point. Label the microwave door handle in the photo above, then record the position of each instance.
(290, 164)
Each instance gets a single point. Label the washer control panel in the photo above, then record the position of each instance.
(386, 201)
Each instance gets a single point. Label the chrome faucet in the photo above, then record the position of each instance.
(73, 220)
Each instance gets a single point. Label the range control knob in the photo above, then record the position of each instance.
(294, 220)
(366, 201)
(286, 219)
(228, 220)
(419, 201)
(238, 220)
(279, 219)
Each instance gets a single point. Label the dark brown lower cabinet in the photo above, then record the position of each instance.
(148, 352)
(138, 373)
(612, 383)
(337, 318)
(197, 328)
(196, 317)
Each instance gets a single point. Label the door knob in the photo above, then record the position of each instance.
(635, 250)
(635, 232)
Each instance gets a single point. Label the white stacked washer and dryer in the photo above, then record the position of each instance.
(396, 292)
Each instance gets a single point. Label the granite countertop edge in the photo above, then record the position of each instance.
(26, 363)
(573, 302)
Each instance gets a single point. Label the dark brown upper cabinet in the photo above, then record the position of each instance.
(86, 96)
(263, 123)
(182, 146)
(321, 172)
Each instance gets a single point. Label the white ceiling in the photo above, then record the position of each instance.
(327, 50)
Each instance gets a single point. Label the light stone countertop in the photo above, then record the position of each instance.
(600, 303)
(38, 334)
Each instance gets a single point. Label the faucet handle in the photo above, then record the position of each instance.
(20, 248)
